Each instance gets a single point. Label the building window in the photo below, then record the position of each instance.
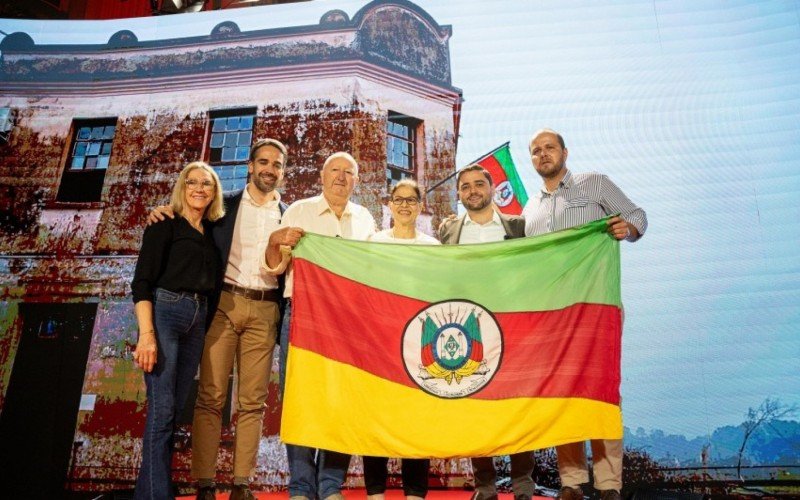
(87, 161)
(6, 123)
(401, 132)
(229, 145)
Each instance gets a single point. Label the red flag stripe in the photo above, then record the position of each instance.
(573, 352)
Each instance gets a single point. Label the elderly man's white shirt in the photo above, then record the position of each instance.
(314, 215)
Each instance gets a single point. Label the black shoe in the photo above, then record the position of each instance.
(206, 493)
(241, 492)
(610, 495)
(570, 493)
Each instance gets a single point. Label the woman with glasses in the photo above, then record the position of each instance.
(405, 202)
(174, 276)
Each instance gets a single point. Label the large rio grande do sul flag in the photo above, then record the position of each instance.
(463, 350)
(509, 193)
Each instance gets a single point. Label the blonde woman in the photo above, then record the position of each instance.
(175, 274)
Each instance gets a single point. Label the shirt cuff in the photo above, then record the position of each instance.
(286, 257)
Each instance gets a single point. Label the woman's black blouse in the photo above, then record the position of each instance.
(175, 256)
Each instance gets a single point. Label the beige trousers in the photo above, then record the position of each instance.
(243, 330)
(606, 460)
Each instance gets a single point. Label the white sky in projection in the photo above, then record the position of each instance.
(693, 108)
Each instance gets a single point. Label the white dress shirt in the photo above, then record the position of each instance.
(387, 236)
(472, 232)
(314, 215)
(254, 224)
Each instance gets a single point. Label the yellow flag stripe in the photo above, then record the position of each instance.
(368, 415)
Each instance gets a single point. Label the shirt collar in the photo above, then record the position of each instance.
(495, 219)
(249, 199)
(565, 182)
(323, 206)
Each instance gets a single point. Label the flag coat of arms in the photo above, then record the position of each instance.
(463, 350)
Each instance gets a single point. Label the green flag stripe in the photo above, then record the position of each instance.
(548, 272)
(503, 156)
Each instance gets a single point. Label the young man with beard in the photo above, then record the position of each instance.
(566, 200)
(244, 325)
(483, 223)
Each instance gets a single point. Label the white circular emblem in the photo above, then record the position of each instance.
(452, 349)
(503, 194)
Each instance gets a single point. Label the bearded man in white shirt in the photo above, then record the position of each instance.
(482, 223)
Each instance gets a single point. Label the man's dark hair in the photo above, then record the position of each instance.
(474, 168)
(275, 143)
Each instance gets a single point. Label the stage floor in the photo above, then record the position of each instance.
(361, 494)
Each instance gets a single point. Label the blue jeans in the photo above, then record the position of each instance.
(312, 473)
(180, 330)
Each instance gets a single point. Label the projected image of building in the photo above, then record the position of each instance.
(93, 136)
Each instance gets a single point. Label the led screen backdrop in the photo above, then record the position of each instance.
(693, 108)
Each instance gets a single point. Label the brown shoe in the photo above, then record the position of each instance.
(241, 492)
(610, 495)
(570, 493)
(478, 496)
(206, 493)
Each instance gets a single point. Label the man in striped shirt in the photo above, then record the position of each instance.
(566, 200)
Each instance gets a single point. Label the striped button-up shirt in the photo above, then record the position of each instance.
(578, 199)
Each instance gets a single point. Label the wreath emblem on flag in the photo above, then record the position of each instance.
(503, 194)
(452, 349)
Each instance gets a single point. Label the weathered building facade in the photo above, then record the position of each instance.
(93, 136)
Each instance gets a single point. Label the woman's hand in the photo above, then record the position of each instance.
(146, 351)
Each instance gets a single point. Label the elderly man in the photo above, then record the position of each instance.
(567, 200)
(318, 475)
(482, 223)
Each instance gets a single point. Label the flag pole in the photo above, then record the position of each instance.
(430, 189)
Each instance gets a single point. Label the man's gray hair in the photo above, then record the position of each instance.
(346, 156)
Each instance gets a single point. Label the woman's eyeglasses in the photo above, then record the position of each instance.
(195, 184)
(412, 202)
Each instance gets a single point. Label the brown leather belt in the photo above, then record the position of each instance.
(248, 293)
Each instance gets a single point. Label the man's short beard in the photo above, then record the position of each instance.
(557, 168)
(485, 203)
(264, 187)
